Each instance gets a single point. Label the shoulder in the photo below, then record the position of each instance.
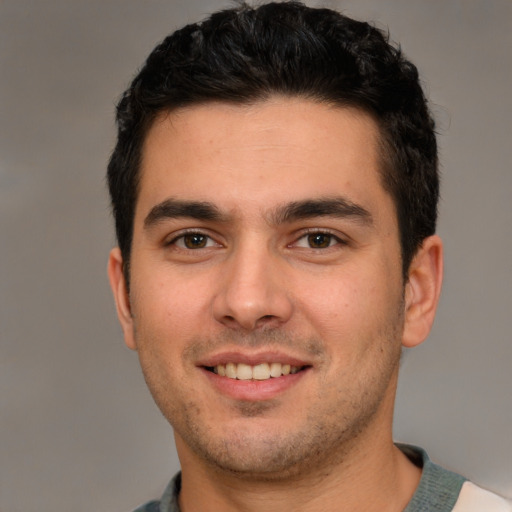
(441, 490)
(169, 500)
(475, 499)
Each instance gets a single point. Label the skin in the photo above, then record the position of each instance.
(255, 280)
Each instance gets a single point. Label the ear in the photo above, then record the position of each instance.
(121, 296)
(422, 291)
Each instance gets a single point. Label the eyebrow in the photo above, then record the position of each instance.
(338, 207)
(174, 209)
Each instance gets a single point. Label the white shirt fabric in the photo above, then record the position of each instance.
(475, 499)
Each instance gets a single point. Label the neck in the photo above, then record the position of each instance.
(371, 476)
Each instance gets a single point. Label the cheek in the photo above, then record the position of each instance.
(350, 308)
(170, 295)
(336, 298)
(163, 322)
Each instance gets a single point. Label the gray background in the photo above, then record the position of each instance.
(79, 431)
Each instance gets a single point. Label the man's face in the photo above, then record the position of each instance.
(264, 242)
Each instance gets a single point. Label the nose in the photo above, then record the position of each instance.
(252, 292)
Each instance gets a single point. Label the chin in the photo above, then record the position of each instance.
(262, 455)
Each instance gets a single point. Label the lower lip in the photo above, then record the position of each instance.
(254, 390)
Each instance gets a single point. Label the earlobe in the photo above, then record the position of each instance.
(422, 291)
(121, 296)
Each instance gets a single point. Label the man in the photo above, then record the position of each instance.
(275, 188)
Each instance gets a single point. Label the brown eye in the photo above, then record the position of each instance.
(195, 241)
(319, 240)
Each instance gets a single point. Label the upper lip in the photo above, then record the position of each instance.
(251, 359)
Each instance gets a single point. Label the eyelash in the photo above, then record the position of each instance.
(320, 232)
(191, 233)
(210, 241)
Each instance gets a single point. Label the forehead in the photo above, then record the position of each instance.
(283, 149)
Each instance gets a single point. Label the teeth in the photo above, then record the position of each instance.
(276, 370)
(244, 372)
(231, 370)
(263, 371)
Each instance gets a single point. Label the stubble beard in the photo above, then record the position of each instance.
(325, 438)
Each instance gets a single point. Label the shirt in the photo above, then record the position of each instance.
(439, 490)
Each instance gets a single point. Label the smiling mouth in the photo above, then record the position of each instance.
(263, 371)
